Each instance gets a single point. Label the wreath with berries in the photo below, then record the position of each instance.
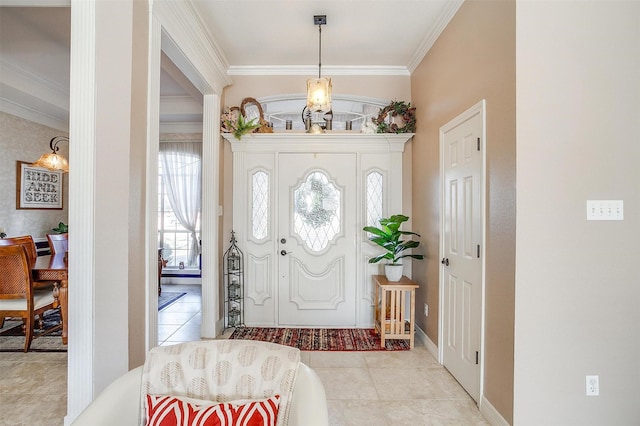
(386, 123)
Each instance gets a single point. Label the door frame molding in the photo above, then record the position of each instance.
(478, 108)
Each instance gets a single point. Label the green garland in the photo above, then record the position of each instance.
(397, 108)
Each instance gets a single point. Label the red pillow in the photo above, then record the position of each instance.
(166, 410)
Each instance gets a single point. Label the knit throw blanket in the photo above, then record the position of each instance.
(222, 371)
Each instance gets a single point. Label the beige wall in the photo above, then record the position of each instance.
(23, 140)
(473, 59)
(577, 281)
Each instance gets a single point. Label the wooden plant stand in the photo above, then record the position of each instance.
(391, 309)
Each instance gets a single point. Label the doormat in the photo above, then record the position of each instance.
(321, 339)
(167, 298)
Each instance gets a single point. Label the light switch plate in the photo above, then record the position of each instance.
(605, 210)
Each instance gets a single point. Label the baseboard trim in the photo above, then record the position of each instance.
(486, 408)
(491, 414)
(425, 340)
(219, 328)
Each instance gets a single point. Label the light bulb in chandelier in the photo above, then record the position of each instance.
(53, 160)
(319, 94)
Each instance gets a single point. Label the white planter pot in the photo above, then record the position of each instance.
(393, 272)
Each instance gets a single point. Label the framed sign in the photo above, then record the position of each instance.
(38, 188)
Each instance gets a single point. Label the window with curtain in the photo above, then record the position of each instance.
(179, 200)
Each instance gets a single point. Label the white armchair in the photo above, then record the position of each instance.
(225, 365)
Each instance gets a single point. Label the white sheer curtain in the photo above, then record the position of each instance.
(182, 178)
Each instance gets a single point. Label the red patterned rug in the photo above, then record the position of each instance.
(321, 339)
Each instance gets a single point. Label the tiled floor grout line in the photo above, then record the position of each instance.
(348, 411)
(446, 405)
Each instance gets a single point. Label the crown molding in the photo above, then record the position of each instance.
(358, 70)
(179, 105)
(181, 127)
(189, 44)
(330, 141)
(26, 82)
(10, 107)
(439, 26)
(35, 3)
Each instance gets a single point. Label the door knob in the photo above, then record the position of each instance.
(284, 252)
(445, 261)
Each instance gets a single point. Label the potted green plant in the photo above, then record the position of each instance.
(388, 236)
(62, 228)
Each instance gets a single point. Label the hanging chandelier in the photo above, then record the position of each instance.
(319, 89)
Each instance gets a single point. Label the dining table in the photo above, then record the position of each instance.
(54, 268)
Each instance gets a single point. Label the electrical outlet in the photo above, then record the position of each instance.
(593, 385)
(426, 310)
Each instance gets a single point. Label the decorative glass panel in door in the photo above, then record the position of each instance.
(316, 218)
(260, 205)
(374, 204)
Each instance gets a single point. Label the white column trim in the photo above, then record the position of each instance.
(209, 212)
(82, 136)
(153, 138)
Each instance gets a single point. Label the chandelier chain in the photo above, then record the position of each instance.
(319, 49)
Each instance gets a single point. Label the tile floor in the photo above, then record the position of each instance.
(362, 388)
(180, 321)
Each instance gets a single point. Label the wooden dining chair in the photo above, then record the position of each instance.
(58, 243)
(27, 242)
(18, 297)
(30, 247)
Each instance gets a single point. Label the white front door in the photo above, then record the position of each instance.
(462, 243)
(316, 240)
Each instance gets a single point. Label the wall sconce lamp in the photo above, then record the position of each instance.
(319, 89)
(53, 160)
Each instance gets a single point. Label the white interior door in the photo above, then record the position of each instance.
(462, 234)
(316, 233)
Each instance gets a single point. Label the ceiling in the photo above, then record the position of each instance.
(256, 37)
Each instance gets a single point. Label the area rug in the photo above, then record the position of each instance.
(13, 326)
(321, 339)
(41, 344)
(12, 336)
(166, 298)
